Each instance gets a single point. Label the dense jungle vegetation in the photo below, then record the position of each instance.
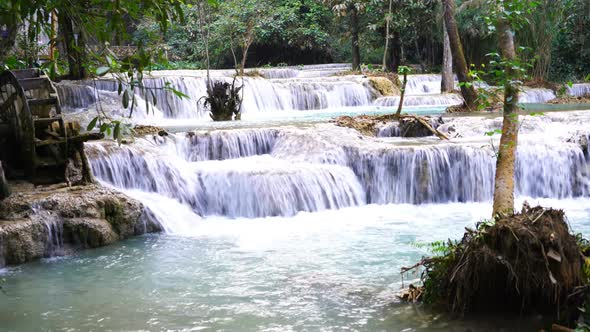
(294, 32)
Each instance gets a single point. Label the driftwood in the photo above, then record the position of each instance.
(366, 124)
(427, 125)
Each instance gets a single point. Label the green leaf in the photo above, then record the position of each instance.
(101, 71)
(92, 124)
(104, 127)
(493, 132)
(117, 132)
(570, 84)
(126, 98)
(179, 94)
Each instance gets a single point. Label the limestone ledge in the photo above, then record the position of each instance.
(57, 220)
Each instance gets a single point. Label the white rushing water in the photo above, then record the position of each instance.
(307, 88)
(263, 172)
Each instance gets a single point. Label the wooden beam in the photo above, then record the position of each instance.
(70, 140)
(34, 83)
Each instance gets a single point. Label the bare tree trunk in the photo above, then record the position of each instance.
(504, 181)
(401, 98)
(244, 58)
(354, 29)
(460, 64)
(447, 82)
(395, 54)
(7, 44)
(75, 49)
(387, 36)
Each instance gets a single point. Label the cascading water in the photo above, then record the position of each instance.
(579, 89)
(536, 96)
(448, 99)
(280, 172)
(260, 95)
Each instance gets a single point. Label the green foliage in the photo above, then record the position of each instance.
(570, 49)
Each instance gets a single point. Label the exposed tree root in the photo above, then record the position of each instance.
(523, 262)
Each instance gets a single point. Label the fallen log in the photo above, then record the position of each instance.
(427, 125)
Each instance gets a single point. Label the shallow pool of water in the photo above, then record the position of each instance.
(325, 271)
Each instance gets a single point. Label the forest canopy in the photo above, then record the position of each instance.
(294, 32)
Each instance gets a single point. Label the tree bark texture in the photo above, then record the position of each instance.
(7, 43)
(395, 53)
(460, 64)
(75, 49)
(504, 180)
(447, 82)
(354, 30)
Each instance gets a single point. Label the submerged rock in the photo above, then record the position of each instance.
(37, 223)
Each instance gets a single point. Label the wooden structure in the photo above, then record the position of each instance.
(35, 142)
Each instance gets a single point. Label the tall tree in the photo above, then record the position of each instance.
(73, 37)
(447, 80)
(507, 14)
(388, 18)
(352, 9)
(460, 64)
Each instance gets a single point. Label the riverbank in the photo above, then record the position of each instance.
(37, 222)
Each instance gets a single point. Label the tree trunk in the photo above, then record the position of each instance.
(244, 58)
(7, 44)
(403, 93)
(504, 181)
(395, 54)
(354, 30)
(75, 49)
(387, 36)
(460, 64)
(447, 82)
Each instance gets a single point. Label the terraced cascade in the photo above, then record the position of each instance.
(284, 221)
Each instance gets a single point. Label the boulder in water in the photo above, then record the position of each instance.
(49, 221)
(384, 85)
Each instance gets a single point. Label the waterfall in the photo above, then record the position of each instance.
(262, 186)
(221, 145)
(281, 172)
(464, 173)
(257, 186)
(423, 84)
(536, 96)
(447, 99)
(260, 95)
(579, 89)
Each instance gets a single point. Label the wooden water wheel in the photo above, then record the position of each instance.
(34, 138)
